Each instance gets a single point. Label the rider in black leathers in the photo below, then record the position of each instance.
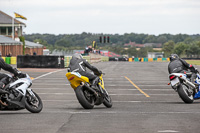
(4, 79)
(78, 64)
(178, 65)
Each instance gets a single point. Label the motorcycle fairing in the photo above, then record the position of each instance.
(102, 82)
(75, 79)
(197, 95)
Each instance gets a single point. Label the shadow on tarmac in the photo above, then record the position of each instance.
(95, 108)
(13, 113)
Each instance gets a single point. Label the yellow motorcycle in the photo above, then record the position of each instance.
(86, 95)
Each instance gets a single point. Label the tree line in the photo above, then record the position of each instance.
(182, 44)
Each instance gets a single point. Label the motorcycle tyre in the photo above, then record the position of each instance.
(183, 94)
(107, 103)
(82, 99)
(33, 110)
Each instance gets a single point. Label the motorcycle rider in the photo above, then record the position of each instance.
(4, 79)
(178, 65)
(78, 64)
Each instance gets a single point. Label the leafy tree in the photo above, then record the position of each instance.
(63, 43)
(168, 48)
(149, 39)
(161, 39)
(193, 50)
(22, 39)
(79, 41)
(180, 48)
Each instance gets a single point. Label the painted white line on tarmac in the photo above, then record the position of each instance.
(55, 78)
(168, 131)
(110, 89)
(50, 88)
(56, 93)
(49, 81)
(47, 74)
(137, 85)
(139, 101)
(112, 101)
(109, 94)
(142, 89)
(117, 112)
(153, 85)
(141, 94)
(60, 100)
(50, 84)
(109, 112)
(80, 112)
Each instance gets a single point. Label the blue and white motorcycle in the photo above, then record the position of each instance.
(20, 95)
(182, 84)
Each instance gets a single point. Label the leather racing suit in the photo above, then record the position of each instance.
(180, 66)
(80, 65)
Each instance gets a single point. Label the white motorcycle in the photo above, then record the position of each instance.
(20, 95)
(187, 90)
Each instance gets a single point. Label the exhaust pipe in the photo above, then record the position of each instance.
(90, 89)
(189, 84)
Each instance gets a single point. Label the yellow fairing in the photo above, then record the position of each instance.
(102, 82)
(75, 79)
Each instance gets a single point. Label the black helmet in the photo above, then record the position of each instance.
(78, 56)
(173, 57)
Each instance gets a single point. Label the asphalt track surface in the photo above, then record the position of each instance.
(142, 103)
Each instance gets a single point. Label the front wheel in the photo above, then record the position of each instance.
(107, 100)
(85, 98)
(33, 103)
(185, 94)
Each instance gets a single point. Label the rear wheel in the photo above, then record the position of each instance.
(85, 98)
(185, 94)
(107, 100)
(33, 103)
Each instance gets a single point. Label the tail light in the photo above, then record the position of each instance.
(71, 78)
(171, 77)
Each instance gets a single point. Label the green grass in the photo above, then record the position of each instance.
(193, 62)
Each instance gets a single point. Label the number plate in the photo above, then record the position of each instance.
(174, 81)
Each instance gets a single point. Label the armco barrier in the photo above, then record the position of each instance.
(40, 61)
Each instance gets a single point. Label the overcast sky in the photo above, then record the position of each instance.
(107, 16)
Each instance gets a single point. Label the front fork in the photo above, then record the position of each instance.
(30, 92)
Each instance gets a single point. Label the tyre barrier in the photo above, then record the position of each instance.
(147, 59)
(42, 60)
(10, 60)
